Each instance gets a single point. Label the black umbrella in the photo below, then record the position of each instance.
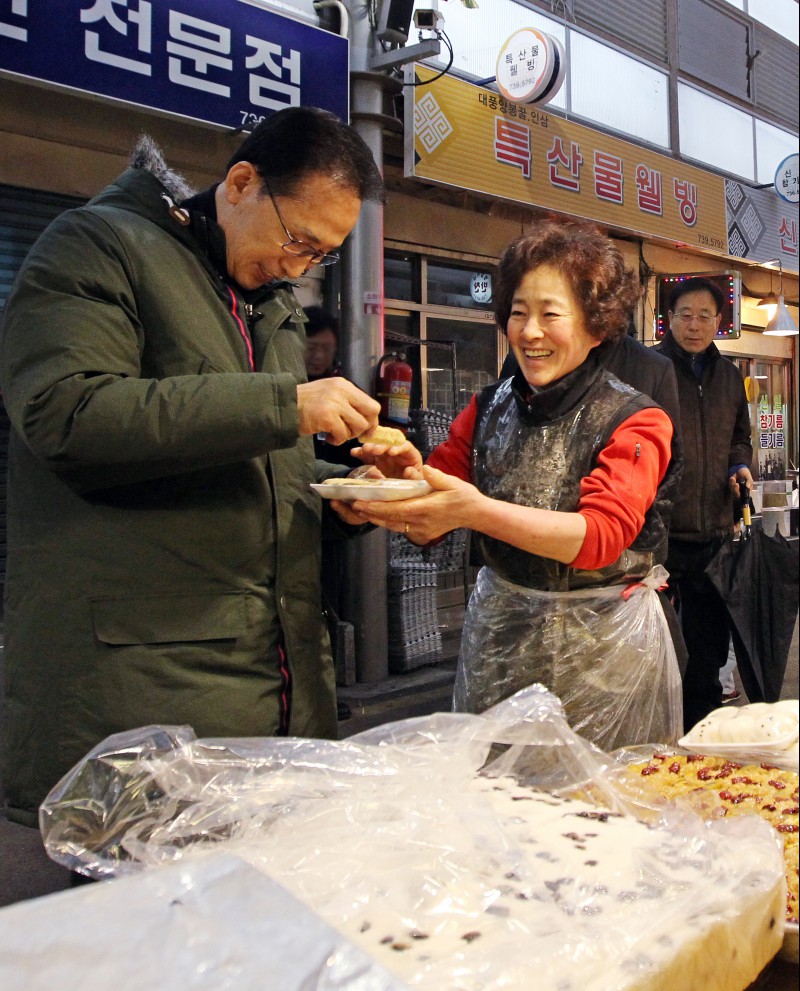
(757, 578)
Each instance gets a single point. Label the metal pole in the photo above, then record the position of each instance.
(361, 343)
(362, 331)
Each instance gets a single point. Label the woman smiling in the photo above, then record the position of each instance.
(558, 471)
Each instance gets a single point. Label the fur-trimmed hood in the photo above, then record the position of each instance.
(148, 156)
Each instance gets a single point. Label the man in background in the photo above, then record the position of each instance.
(322, 343)
(717, 451)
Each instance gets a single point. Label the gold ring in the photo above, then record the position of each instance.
(406, 529)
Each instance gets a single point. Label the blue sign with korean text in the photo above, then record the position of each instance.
(225, 62)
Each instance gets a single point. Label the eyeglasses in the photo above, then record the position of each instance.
(702, 318)
(299, 249)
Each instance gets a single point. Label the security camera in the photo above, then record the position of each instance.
(427, 20)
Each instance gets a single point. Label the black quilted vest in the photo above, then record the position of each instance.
(533, 447)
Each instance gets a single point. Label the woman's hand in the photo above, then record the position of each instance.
(453, 503)
(343, 508)
(397, 461)
(380, 461)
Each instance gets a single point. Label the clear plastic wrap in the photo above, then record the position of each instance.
(605, 652)
(212, 924)
(740, 782)
(448, 847)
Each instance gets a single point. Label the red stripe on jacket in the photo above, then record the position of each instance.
(242, 328)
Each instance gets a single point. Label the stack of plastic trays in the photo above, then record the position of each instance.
(414, 636)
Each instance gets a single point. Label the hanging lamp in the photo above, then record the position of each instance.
(781, 323)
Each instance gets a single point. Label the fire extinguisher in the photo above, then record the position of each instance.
(393, 392)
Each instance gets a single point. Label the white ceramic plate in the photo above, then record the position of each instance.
(381, 490)
(781, 753)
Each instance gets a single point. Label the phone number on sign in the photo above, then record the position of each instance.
(251, 120)
(712, 242)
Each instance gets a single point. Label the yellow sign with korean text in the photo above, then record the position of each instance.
(472, 138)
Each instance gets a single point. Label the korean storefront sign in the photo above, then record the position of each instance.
(530, 67)
(226, 62)
(761, 225)
(771, 437)
(480, 287)
(472, 138)
(786, 179)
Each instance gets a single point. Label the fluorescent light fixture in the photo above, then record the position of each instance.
(781, 325)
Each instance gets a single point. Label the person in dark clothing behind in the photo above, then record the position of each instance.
(322, 341)
(717, 455)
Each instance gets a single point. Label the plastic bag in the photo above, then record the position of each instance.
(423, 843)
(608, 656)
(142, 796)
(212, 924)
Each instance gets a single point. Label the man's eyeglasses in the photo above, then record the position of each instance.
(703, 318)
(299, 249)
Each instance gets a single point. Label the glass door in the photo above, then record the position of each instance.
(771, 426)
(441, 313)
(767, 384)
(475, 352)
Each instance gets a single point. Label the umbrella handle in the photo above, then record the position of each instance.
(747, 506)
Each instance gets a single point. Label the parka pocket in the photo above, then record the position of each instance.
(169, 618)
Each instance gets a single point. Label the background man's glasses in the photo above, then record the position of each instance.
(299, 249)
(702, 318)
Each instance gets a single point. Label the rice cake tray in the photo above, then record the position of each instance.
(739, 789)
(563, 895)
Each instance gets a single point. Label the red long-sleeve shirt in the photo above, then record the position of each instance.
(614, 497)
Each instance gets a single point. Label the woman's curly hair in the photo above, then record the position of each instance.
(592, 266)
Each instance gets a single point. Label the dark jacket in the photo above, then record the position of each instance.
(162, 539)
(637, 365)
(715, 430)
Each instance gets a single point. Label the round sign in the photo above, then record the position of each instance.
(530, 67)
(480, 287)
(786, 179)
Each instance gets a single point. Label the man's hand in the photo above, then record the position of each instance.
(742, 475)
(335, 407)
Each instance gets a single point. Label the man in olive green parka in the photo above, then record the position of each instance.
(163, 543)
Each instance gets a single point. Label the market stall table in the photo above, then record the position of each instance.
(505, 878)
